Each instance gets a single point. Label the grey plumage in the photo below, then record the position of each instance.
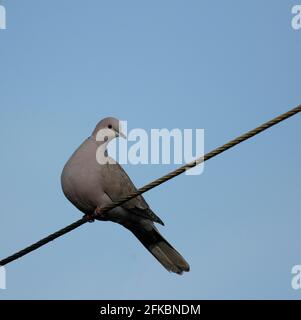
(90, 186)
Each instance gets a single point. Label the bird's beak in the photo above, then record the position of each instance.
(120, 134)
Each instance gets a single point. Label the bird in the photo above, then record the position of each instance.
(91, 180)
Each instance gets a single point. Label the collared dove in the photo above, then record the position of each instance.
(91, 182)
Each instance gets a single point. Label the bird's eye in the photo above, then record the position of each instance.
(110, 126)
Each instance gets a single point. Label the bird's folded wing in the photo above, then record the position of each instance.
(119, 185)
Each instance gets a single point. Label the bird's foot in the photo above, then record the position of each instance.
(98, 212)
(90, 217)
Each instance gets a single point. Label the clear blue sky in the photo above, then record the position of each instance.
(225, 66)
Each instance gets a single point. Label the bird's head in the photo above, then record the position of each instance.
(108, 129)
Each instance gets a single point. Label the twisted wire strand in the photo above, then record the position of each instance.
(153, 184)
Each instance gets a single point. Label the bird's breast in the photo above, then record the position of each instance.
(81, 181)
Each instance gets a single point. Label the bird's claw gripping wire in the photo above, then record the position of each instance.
(99, 214)
(89, 217)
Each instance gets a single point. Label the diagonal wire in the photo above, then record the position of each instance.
(153, 184)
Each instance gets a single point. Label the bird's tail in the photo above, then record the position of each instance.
(153, 241)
